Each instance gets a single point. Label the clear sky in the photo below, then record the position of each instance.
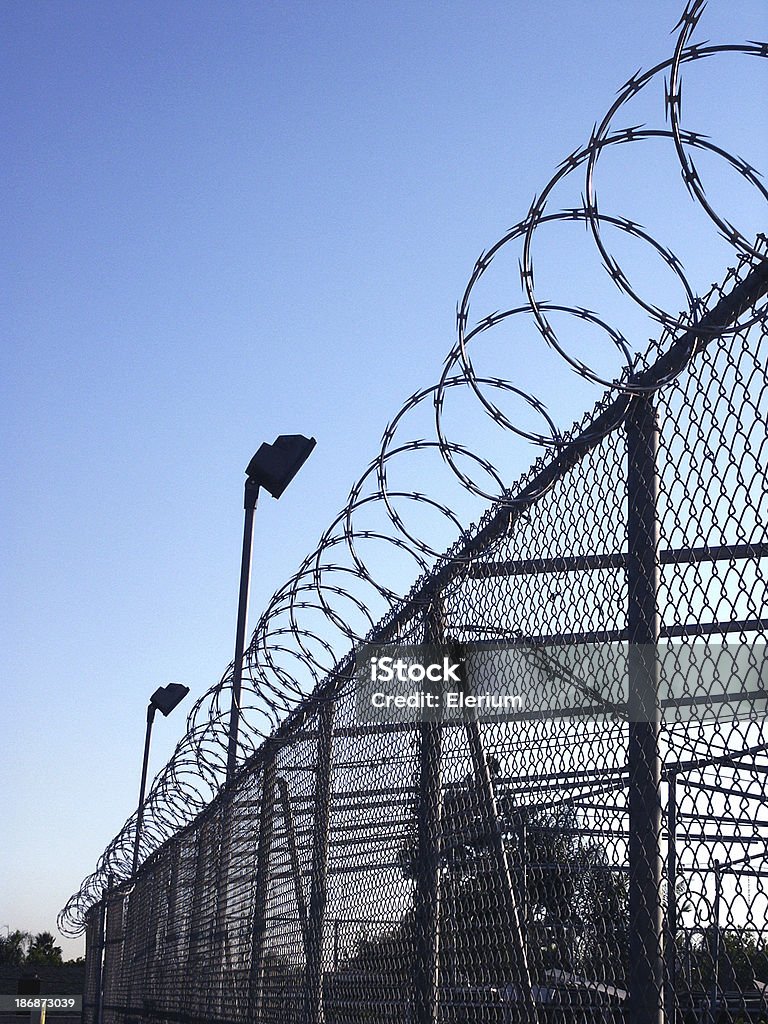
(222, 222)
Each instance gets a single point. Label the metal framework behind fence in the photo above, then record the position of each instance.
(593, 858)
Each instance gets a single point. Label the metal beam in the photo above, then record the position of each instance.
(646, 964)
(670, 995)
(264, 849)
(313, 991)
(614, 560)
(429, 813)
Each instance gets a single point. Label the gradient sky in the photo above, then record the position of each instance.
(223, 222)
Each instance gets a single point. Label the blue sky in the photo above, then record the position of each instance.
(223, 222)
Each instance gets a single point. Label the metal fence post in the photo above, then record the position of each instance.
(426, 974)
(217, 966)
(191, 1002)
(102, 951)
(107, 979)
(714, 1000)
(266, 828)
(169, 964)
(523, 898)
(646, 963)
(670, 938)
(427, 895)
(313, 995)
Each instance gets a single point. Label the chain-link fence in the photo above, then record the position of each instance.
(599, 855)
(579, 832)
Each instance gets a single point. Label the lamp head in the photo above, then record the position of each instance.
(165, 698)
(275, 465)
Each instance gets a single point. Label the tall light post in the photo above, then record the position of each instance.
(272, 467)
(164, 699)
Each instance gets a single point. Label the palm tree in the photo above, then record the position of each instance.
(43, 950)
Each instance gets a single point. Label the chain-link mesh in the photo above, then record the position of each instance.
(585, 862)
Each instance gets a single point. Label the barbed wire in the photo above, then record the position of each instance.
(342, 589)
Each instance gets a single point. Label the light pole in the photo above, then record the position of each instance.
(272, 467)
(164, 699)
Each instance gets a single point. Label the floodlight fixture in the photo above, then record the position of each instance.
(275, 465)
(272, 467)
(164, 700)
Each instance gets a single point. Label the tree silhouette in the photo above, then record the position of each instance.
(43, 950)
(13, 948)
(20, 948)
